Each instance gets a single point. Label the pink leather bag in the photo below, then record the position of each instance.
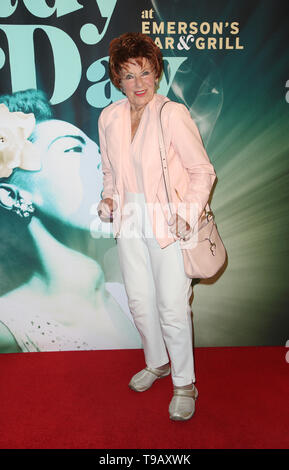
(206, 254)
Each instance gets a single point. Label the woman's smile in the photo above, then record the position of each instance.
(140, 93)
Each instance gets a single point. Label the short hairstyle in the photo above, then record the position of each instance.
(133, 46)
(29, 101)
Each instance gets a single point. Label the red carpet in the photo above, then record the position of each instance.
(80, 400)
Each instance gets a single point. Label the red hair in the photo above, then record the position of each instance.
(133, 46)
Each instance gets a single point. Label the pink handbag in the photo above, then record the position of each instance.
(206, 254)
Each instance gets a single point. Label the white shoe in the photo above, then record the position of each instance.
(144, 379)
(182, 405)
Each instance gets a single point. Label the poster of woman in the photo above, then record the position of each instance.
(61, 286)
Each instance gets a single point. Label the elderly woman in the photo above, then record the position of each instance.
(134, 197)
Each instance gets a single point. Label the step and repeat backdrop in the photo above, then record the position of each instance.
(227, 61)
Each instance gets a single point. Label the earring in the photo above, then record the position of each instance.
(11, 200)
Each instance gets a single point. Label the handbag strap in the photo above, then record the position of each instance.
(164, 162)
(163, 156)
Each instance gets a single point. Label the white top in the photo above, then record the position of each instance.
(135, 185)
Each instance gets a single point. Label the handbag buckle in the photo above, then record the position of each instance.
(209, 215)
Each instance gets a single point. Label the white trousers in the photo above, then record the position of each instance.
(158, 292)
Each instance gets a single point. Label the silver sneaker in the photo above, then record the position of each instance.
(182, 405)
(144, 379)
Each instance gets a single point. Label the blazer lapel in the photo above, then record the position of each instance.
(150, 155)
(125, 131)
(149, 146)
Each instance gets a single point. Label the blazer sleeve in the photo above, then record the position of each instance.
(187, 143)
(105, 163)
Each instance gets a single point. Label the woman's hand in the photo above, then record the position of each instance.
(105, 209)
(180, 227)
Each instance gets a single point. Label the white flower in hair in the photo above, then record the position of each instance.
(15, 150)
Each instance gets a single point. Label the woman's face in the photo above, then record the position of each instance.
(138, 82)
(70, 182)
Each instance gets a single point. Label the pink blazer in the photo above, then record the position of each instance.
(190, 171)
